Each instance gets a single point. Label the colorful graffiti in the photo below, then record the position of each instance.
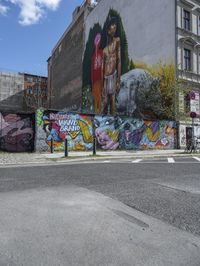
(114, 85)
(16, 132)
(111, 132)
(107, 132)
(60, 125)
(127, 133)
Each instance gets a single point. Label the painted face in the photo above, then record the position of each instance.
(112, 30)
(106, 134)
(97, 39)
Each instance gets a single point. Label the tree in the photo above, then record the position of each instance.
(131, 65)
(168, 86)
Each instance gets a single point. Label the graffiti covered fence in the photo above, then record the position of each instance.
(111, 132)
(17, 132)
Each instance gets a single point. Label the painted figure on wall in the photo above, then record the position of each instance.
(111, 68)
(96, 74)
(107, 132)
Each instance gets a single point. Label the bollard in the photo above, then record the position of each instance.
(94, 145)
(51, 145)
(66, 147)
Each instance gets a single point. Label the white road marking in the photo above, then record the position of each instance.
(137, 161)
(106, 161)
(197, 158)
(170, 160)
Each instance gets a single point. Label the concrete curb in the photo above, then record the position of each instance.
(43, 159)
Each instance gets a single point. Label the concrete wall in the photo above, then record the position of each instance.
(17, 132)
(111, 132)
(149, 25)
(11, 91)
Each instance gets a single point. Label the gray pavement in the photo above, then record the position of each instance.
(45, 158)
(78, 227)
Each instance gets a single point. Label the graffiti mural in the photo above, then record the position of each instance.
(111, 132)
(114, 85)
(107, 132)
(16, 132)
(130, 133)
(57, 126)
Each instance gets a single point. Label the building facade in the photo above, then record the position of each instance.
(147, 32)
(22, 92)
(167, 32)
(64, 65)
(188, 66)
(35, 92)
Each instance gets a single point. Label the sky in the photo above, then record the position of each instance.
(29, 30)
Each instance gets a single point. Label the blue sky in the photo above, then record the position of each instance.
(29, 29)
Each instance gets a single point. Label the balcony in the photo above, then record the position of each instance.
(189, 76)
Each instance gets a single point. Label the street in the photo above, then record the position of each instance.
(161, 200)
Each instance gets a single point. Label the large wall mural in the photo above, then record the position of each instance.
(130, 133)
(17, 132)
(57, 126)
(111, 132)
(112, 85)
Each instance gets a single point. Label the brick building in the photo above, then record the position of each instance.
(35, 92)
(65, 64)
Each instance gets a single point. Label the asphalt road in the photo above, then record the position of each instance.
(169, 192)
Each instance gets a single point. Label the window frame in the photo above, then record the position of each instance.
(187, 65)
(187, 19)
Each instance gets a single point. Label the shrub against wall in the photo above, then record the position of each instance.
(168, 87)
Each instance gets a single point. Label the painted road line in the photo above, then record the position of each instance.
(170, 160)
(197, 158)
(106, 161)
(137, 161)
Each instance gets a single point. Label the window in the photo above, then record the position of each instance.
(187, 59)
(198, 19)
(186, 20)
(187, 103)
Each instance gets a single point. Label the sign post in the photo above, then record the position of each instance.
(193, 112)
(66, 147)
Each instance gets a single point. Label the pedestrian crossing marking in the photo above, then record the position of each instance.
(106, 161)
(197, 158)
(137, 161)
(170, 160)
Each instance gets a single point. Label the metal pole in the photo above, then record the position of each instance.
(66, 147)
(193, 144)
(51, 145)
(94, 145)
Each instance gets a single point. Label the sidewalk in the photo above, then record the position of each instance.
(48, 158)
(75, 226)
(117, 154)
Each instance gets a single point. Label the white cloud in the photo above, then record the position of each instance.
(31, 11)
(3, 9)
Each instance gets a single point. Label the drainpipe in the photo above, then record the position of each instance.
(176, 98)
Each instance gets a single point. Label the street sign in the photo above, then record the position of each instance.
(192, 95)
(193, 115)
